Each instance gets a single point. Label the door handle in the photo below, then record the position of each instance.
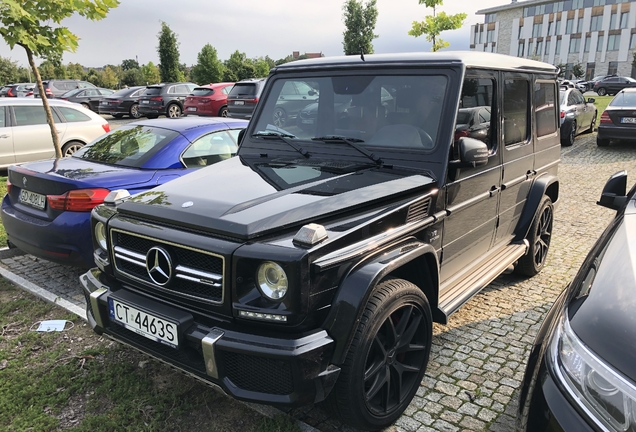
(4, 136)
(58, 131)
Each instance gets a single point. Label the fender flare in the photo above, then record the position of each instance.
(546, 184)
(355, 289)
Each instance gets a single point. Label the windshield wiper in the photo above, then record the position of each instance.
(283, 137)
(352, 142)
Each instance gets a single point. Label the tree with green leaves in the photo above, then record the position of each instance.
(168, 51)
(75, 71)
(150, 73)
(8, 71)
(359, 23)
(129, 64)
(261, 67)
(435, 24)
(209, 69)
(578, 71)
(35, 25)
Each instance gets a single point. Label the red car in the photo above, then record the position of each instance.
(208, 100)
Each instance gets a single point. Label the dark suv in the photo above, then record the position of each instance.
(243, 97)
(16, 90)
(318, 264)
(612, 85)
(164, 99)
(56, 88)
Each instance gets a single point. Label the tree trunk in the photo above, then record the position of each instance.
(45, 102)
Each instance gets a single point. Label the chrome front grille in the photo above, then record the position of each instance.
(195, 273)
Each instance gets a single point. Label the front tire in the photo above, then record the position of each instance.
(71, 147)
(601, 92)
(134, 111)
(592, 125)
(539, 238)
(568, 141)
(173, 111)
(387, 358)
(223, 112)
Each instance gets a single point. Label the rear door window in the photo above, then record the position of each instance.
(31, 115)
(72, 115)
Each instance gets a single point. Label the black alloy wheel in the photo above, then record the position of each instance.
(539, 239)
(387, 358)
(568, 141)
(601, 91)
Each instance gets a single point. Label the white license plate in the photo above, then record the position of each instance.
(144, 324)
(628, 119)
(191, 109)
(239, 103)
(33, 199)
(145, 101)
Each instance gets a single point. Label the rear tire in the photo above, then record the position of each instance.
(71, 147)
(387, 358)
(87, 106)
(134, 111)
(173, 111)
(117, 116)
(539, 238)
(592, 125)
(601, 92)
(223, 112)
(568, 141)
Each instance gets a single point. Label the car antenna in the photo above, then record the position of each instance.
(362, 54)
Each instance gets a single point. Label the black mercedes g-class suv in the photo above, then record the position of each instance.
(312, 266)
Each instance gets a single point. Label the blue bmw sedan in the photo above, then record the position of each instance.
(46, 211)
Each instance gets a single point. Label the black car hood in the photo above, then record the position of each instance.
(604, 316)
(242, 200)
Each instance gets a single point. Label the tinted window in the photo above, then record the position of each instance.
(463, 117)
(74, 92)
(72, 115)
(484, 116)
(125, 92)
(129, 146)
(182, 89)
(515, 110)
(245, 89)
(152, 91)
(91, 92)
(226, 90)
(31, 115)
(202, 92)
(545, 108)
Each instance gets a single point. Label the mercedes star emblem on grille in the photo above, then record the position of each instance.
(159, 265)
(24, 181)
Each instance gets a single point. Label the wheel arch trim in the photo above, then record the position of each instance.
(546, 184)
(356, 287)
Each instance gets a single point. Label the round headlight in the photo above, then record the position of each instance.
(100, 235)
(272, 280)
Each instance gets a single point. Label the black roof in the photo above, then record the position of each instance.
(471, 59)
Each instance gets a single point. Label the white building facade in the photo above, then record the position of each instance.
(597, 35)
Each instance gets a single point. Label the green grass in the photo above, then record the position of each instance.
(3, 192)
(78, 380)
(601, 103)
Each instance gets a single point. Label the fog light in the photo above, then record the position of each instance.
(262, 316)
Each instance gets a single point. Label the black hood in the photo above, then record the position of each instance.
(603, 314)
(245, 200)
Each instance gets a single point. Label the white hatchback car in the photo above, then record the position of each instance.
(25, 135)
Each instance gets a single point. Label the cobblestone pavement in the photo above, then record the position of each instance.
(478, 359)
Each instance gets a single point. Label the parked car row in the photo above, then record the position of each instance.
(16, 90)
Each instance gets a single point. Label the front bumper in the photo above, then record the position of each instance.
(273, 370)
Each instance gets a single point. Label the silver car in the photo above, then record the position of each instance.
(25, 135)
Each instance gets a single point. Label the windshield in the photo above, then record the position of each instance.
(624, 99)
(71, 93)
(562, 98)
(394, 111)
(129, 146)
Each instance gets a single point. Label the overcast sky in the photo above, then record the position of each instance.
(255, 27)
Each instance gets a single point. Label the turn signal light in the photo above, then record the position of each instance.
(562, 114)
(8, 186)
(605, 118)
(78, 200)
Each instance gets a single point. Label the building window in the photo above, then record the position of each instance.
(530, 48)
(520, 32)
(536, 30)
(613, 41)
(568, 70)
(596, 23)
(490, 36)
(549, 28)
(588, 41)
(575, 45)
(557, 27)
(547, 47)
(577, 4)
(558, 6)
(579, 26)
(612, 68)
(557, 47)
(528, 11)
(568, 26)
(632, 42)
(599, 43)
(599, 2)
(624, 19)
(481, 34)
(612, 21)
(539, 49)
(490, 18)
(521, 49)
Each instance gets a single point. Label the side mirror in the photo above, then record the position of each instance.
(472, 153)
(614, 195)
(312, 92)
(591, 100)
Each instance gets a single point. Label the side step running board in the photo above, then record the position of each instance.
(458, 292)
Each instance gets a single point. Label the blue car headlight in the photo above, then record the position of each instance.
(605, 395)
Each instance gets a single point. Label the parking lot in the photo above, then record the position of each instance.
(478, 359)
